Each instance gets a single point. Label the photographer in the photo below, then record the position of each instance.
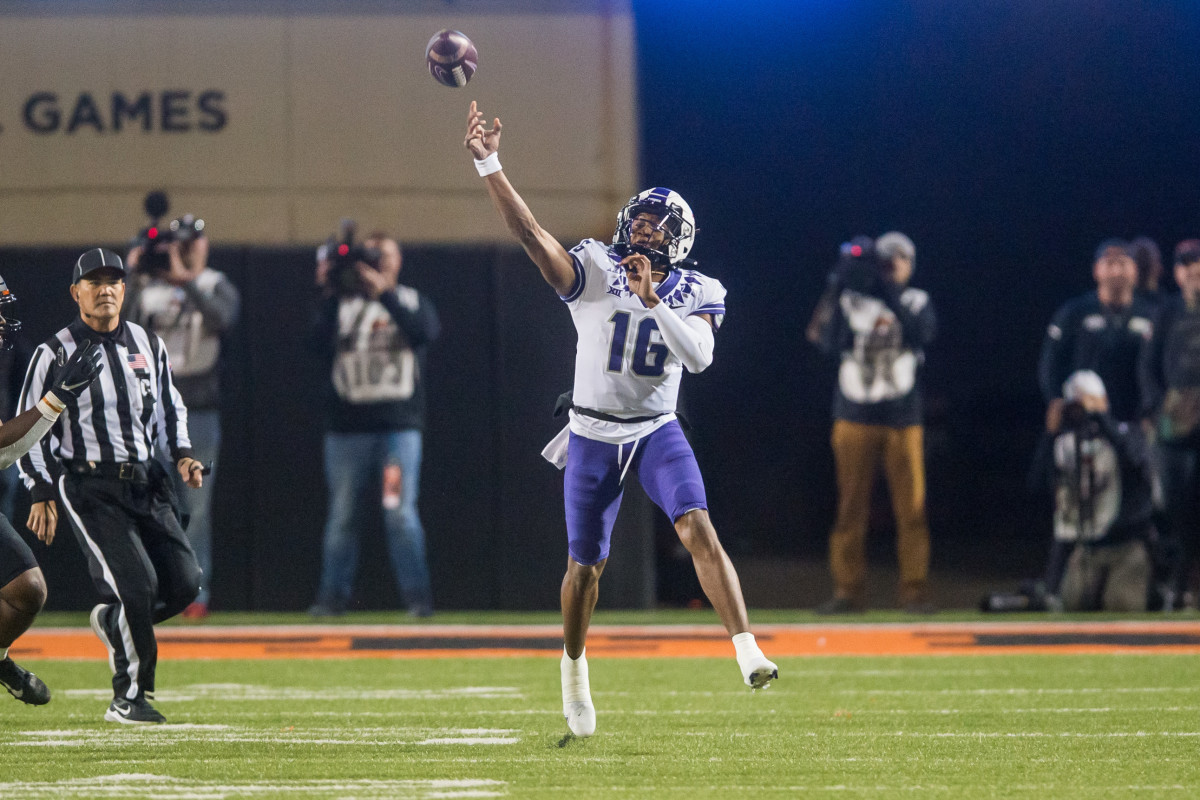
(877, 326)
(1103, 510)
(173, 293)
(373, 332)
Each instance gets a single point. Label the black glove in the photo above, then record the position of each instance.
(80, 370)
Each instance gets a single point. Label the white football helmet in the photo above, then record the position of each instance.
(677, 222)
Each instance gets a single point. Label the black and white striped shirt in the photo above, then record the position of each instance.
(131, 405)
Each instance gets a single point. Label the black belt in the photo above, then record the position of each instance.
(566, 403)
(594, 414)
(136, 471)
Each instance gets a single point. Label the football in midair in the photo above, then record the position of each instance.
(452, 58)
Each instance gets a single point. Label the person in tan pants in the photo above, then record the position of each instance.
(858, 451)
(877, 326)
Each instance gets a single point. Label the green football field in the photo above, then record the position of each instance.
(1039, 726)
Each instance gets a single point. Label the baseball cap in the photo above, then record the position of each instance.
(1187, 251)
(1083, 382)
(1110, 244)
(894, 243)
(94, 259)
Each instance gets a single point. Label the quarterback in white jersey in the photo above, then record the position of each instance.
(641, 318)
(622, 365)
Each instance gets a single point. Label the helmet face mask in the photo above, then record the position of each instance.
(8, 325)
(675, 221)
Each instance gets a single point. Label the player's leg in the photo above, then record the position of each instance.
(856, 451)
(578, 595)
(352, 467)
(904, 466)
(591, 497)
(671, 477)
(402, 523)
(22, 595)
(579, 592)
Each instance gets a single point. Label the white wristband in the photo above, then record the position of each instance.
(487, 166)
(50, 406)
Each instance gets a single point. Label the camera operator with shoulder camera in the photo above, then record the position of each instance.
(877, 326)
(1102, 476)
(174, 293)
(374, 334)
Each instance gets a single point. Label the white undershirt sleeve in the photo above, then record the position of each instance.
(691, 340)
(10, 454)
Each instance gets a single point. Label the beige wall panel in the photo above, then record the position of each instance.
(239, 56)
(327, 116)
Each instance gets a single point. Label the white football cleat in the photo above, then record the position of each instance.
(577, 696)
(581, 718)
(758, 671)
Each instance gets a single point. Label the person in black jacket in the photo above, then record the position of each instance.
(1102, 330)
(374, 333)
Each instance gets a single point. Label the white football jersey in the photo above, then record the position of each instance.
(622, 365)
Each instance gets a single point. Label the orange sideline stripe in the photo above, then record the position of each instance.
(627, 641)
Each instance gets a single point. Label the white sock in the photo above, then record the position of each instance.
(745, 646)
(575, 678)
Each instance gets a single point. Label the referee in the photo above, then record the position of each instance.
(99, 462)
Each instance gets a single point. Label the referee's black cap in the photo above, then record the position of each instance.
(94, 259)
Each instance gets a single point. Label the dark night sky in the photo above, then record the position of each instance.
(1007, 138)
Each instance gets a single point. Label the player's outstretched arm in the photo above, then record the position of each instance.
(552, 258)
(22, 432)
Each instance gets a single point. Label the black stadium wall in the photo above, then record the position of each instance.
(492, 507)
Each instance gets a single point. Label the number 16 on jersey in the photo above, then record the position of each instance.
(648, 358)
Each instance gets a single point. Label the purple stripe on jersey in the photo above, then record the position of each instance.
(711, 308)
(592, 489)
(668, 283)
(579, 284)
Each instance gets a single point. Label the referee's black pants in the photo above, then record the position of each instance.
(140, 561)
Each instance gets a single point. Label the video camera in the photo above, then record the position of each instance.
(859, 268)
(154, 238)
(343, 252)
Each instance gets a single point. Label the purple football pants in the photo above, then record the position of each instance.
(592, 488)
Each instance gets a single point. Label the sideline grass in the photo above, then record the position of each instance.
(956, 727)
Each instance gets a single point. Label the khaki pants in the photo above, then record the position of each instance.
(1112, 578)
(858, 450)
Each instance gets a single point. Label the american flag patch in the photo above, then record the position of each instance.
(138, 361)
